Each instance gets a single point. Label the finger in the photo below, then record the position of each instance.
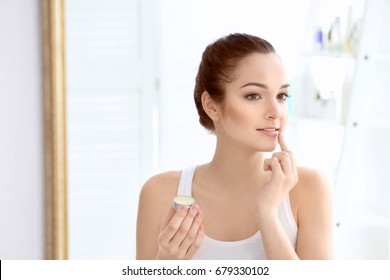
(282, 142)
(196, 244)
(169, 231)
(285, 162)
(293, 162)
(267, 165)
(283, 146)
(294, 168)
(275, 167)
(192, 233)
(185, 226)
(168, 217)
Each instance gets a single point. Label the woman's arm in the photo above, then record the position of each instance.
(162, 232)
(148, 221)
(315, 216)
(311, 195)
(284, 176)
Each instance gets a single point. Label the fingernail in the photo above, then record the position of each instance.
(195, 208)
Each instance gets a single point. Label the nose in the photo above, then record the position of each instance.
(273, 110)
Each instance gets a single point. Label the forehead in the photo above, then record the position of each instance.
(265, 68)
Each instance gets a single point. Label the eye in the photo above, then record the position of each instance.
(283, 96)
(253, 96)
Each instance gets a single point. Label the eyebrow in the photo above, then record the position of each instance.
(263, 85)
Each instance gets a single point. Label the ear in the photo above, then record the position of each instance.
(210, 106)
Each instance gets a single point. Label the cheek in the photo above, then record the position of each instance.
(236, 114)
(284, 118)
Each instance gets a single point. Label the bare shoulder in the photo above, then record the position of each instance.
(312, 200)
(312, 188)
(163, 180)
(311, 181)
(160, 188)
(155, 201)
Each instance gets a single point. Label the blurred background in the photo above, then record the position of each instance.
(130, 70)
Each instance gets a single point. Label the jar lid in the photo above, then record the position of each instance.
(180, 200)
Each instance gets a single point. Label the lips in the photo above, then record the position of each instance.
(269, 131)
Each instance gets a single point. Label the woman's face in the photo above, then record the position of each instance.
(255, 106)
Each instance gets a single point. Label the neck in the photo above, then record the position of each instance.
(236, 167)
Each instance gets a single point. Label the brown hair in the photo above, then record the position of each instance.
(219, 60)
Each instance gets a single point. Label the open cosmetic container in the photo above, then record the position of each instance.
(180, 200)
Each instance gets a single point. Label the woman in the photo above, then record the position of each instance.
(247, 206)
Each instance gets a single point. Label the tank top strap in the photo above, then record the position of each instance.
(185, 183)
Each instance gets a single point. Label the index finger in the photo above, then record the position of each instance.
(171, 223)
(168, 217)
(174, 216)
(282, 142)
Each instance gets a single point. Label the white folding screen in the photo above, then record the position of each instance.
(110, 99)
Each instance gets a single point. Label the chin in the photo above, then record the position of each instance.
(266, 148)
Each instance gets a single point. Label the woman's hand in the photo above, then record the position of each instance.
(181, 233)
(283, 178)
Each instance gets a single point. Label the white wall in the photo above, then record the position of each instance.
(21, 131)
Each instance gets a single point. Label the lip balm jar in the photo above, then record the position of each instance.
(180, 200)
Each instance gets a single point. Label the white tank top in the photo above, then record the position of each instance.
(248, 249)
